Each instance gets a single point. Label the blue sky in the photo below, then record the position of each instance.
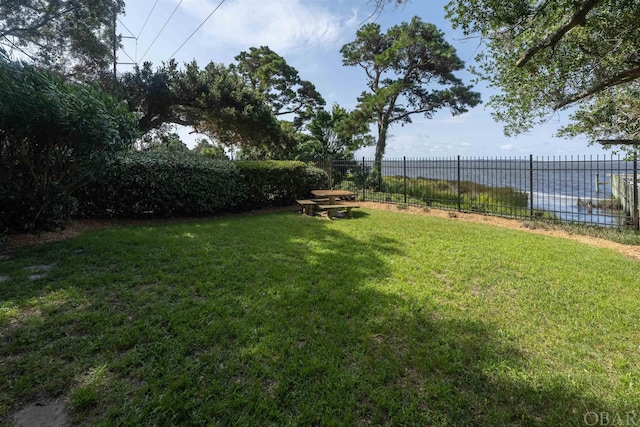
(309, 35)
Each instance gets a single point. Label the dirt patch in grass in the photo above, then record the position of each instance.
(80, 226)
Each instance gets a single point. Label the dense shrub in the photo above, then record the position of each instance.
(165, 184)
(476, 196)
(55, 136)
(274, 182)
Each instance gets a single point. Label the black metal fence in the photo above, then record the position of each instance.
(587, 190)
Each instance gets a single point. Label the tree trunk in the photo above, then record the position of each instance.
(377, 164)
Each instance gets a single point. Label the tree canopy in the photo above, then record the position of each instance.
(283, 90)
(546, 55)
(73, 37)
(611, 115)
(332, 134)
(214, 100)
(410, 70)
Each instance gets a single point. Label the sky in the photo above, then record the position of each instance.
(309, 35)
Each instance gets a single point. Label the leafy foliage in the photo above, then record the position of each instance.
(214, 100)
(273, 182)
(611, 115)
(473, 196)
(333, 134)
(164, 184)
(207, 148)
(544, 56)
(403, 66)
(55, 137)
(168, 184)
(283, 90)
(70, 36)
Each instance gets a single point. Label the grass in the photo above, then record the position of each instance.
(281, 319)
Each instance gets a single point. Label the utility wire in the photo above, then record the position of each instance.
(129, 56)
(18, 48)
(125, 27)
(161, 30)
(148, 16)
(196, 30)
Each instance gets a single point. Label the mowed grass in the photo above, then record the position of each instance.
(281, 319)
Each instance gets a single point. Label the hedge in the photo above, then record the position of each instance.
(278, 183)
(164, 184)
(185, 184)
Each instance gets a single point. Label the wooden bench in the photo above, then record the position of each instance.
(331, 209)
(307, 206)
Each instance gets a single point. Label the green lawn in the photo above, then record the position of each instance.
(276, 319)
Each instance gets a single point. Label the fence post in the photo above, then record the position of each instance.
(531, 185)
(459, 189)
(636, 223)
(404, 175)
(330, 173)
(364, 180)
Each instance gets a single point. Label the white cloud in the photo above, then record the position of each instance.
(283, 25)
(466, 144)
(506, 147)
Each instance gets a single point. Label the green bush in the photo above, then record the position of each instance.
(274, 182)
(476, 197)
(186, 184)
(55, 137)
(165, 184)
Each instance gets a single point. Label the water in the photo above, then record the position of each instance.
(563, 186)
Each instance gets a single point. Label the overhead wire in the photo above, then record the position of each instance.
(196, 30)
(15, 46)
(125, 27)
(128, 56)
(161, 30)
(148, 16)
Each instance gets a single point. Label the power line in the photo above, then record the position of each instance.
(129, 56)
(148, 16)
(196, 30)
(125, 27)
(161, 30)
(18, 48)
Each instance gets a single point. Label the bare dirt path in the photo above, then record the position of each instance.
(78, 227)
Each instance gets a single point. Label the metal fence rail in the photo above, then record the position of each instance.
(577, 189)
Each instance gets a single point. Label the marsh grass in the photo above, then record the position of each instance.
(279, 319)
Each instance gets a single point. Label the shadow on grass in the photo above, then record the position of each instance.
(274, 319)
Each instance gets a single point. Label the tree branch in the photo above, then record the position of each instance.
(618, 79)
(578, 18)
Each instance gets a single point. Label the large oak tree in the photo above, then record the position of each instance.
(547, 55)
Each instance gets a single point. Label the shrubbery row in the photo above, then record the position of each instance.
(161, 184)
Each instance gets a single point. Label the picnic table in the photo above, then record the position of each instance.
(332, 194)
(327, 201)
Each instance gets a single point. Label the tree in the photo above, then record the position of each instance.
(166, 142)
(283, 90)
(613, 114)
(332, 134)
(214, 101)
(547, 55)
(73, 37)
(55, 138)
(410, 71)
(207, 148)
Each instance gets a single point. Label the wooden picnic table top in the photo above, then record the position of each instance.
(327, 193)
